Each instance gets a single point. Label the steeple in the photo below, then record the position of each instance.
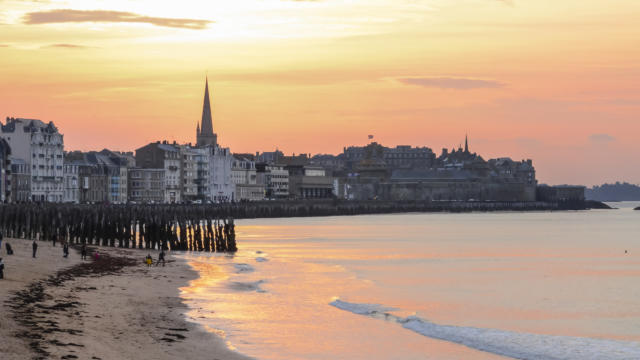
(207, 123)
(466, 143)
(205, 135)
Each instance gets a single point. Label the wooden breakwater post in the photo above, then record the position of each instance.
(205, 227)
(174, 227)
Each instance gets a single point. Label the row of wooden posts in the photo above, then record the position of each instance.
(143, 227)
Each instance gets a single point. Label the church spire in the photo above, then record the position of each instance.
(466, 143)
(205, 135)
(207, 123)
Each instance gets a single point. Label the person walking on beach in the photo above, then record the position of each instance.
(65, 250)
(34, 246)
(83, 252)
(148, 260)
(54, 238)
(9, 249)
(1, 269)
(0, 240)
(161, 258)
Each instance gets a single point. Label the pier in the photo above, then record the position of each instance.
(207, 227)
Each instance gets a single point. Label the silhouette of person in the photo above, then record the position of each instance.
(1, 269)
(34, 247)
(83, 252)
(161, 258)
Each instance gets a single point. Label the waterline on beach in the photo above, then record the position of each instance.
(501, 342)
(539, 281)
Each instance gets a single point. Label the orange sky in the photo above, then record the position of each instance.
(555, 81)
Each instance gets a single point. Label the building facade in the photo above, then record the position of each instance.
(41, 147)
(189, 172)
(275, 179)
(94, 182)
(221, 186)
(117, 165)
(311, 184)
(162, 155)
(402, 156)
(71, 181)
(457, 174)
(146, 186)
(203, 156)
(244, 176)
(5, 171)
(20, 181)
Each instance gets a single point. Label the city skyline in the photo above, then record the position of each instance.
(559, 87)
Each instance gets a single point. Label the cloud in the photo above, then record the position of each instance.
(601, 138)
(66, 46)
(451, 83)
(76, 16)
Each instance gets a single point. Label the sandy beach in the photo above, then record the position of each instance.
(113, 308)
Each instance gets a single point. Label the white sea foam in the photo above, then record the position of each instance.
(507, 343)
(261, 259)
(361, 309)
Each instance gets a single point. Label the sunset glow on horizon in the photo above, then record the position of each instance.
(556, 82)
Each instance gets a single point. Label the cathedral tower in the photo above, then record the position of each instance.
(204, 132)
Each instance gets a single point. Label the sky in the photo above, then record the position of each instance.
(553, 81)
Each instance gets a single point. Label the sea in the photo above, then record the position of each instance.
(482, 285)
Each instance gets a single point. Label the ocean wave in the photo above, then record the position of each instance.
(361, 309)
(243, 268)
(246, 286)
(506, 343)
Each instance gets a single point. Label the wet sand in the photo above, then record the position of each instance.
(114, 308)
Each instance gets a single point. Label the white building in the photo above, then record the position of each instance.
(217, 175)
(221, 186)
(203, 156)
(243, 171)
(71, 182)
(275, 179)
(244, 176)
(41, 147)
(189, 172)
